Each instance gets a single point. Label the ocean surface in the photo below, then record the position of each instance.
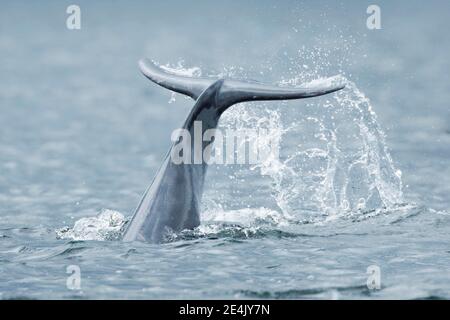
(361, 184)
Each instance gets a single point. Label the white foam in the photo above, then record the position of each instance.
(105, 226)
(245, 216)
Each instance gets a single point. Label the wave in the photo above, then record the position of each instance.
(247, 224)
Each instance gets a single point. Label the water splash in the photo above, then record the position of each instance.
(181, 70)
(107, 225)
(334, 160)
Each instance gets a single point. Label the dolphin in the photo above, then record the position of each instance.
(172, 202)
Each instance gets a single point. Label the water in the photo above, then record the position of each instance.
(362, 178)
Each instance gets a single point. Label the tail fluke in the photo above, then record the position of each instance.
(240, 91)
(235, 91)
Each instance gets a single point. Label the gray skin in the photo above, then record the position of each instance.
(172, 202)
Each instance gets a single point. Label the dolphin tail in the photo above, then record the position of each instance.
(235, 91)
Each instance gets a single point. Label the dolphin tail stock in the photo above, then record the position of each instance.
(235, 91)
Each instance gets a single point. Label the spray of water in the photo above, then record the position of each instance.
(333, 161)
(107, 225)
